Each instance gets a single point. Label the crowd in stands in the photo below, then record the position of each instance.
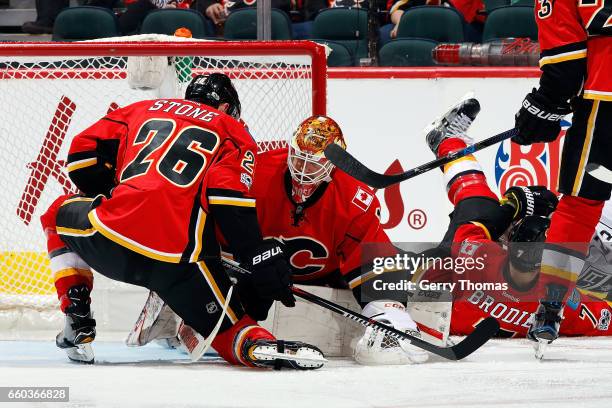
(383, 16)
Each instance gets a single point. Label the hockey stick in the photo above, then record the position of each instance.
(486, 329)
(600, 172)
(201, 348)
(354, 168)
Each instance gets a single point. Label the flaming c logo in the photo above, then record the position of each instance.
(537, 164)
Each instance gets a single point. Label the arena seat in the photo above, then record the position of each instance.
(407, 52)
(344, 25)
(530, 3)
(242, 25)
(493, 4)
(166, 21)
(442, 24)
(510, 22)
(85, 23)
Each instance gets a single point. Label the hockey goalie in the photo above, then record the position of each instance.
(322, 218)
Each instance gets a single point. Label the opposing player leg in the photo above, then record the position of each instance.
(574, 221)
(73, 283)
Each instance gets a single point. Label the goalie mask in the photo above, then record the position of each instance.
(526, 241)
(306, 161)
(213, 90)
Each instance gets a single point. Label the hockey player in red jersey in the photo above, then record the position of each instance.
(160, 180)
(323, 218)
(507, 235)
(576, 61)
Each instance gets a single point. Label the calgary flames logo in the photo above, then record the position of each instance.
(537, 164)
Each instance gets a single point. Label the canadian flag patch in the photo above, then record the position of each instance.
(468, 248)
(363, 199)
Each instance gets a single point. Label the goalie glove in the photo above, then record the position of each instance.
(378, 348)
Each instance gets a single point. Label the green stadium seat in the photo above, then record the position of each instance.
(344, 25)
(85, 23)
(340, 55)
(530, 3)
(166, 21)
(493, 4)
(442, 24)
(510, 22)
(242, 25)
(407, 52)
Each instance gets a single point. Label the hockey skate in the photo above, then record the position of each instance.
(453, 123)
(545, 326)
(280, 354)
(80, 328)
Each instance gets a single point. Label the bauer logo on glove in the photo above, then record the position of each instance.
(264, 256)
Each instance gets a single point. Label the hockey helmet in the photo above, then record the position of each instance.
(526, 242)
(213, 90)
(306, 161)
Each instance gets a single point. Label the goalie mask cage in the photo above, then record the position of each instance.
(52, 91)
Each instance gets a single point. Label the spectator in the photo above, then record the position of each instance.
(473, 12)
(136, 11)
(217, 11)
(396, 11)
(307, 10)
(46, 11)
(302, 16)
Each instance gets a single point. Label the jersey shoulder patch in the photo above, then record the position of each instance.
(363, 198)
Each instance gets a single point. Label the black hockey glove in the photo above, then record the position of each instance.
(532, 200)
(271, 272)
(539, 119)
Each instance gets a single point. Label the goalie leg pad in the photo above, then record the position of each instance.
(378, 348)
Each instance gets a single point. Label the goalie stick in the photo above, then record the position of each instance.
(354, 168)
(486, 329)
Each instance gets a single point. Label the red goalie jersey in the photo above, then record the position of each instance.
(324, 234)
(166, 161)
(576, 29)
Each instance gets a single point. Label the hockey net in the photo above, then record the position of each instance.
(52, 91)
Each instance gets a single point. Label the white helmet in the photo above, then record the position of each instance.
(306, 161)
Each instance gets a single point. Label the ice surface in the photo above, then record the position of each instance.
(575, 373)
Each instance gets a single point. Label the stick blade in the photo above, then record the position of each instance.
(486, 329)
(599, 172)
(354, 168)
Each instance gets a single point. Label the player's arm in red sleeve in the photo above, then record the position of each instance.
(92, 158)
(227, 196)
(563, 49)
(227, 192)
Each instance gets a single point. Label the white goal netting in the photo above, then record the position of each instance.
(52, 91)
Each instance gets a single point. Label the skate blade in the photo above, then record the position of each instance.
(83, 353)
(540, 347)
(304, 357)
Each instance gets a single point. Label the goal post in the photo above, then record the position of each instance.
(52, 91)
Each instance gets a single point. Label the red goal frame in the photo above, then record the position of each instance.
(316, 52)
